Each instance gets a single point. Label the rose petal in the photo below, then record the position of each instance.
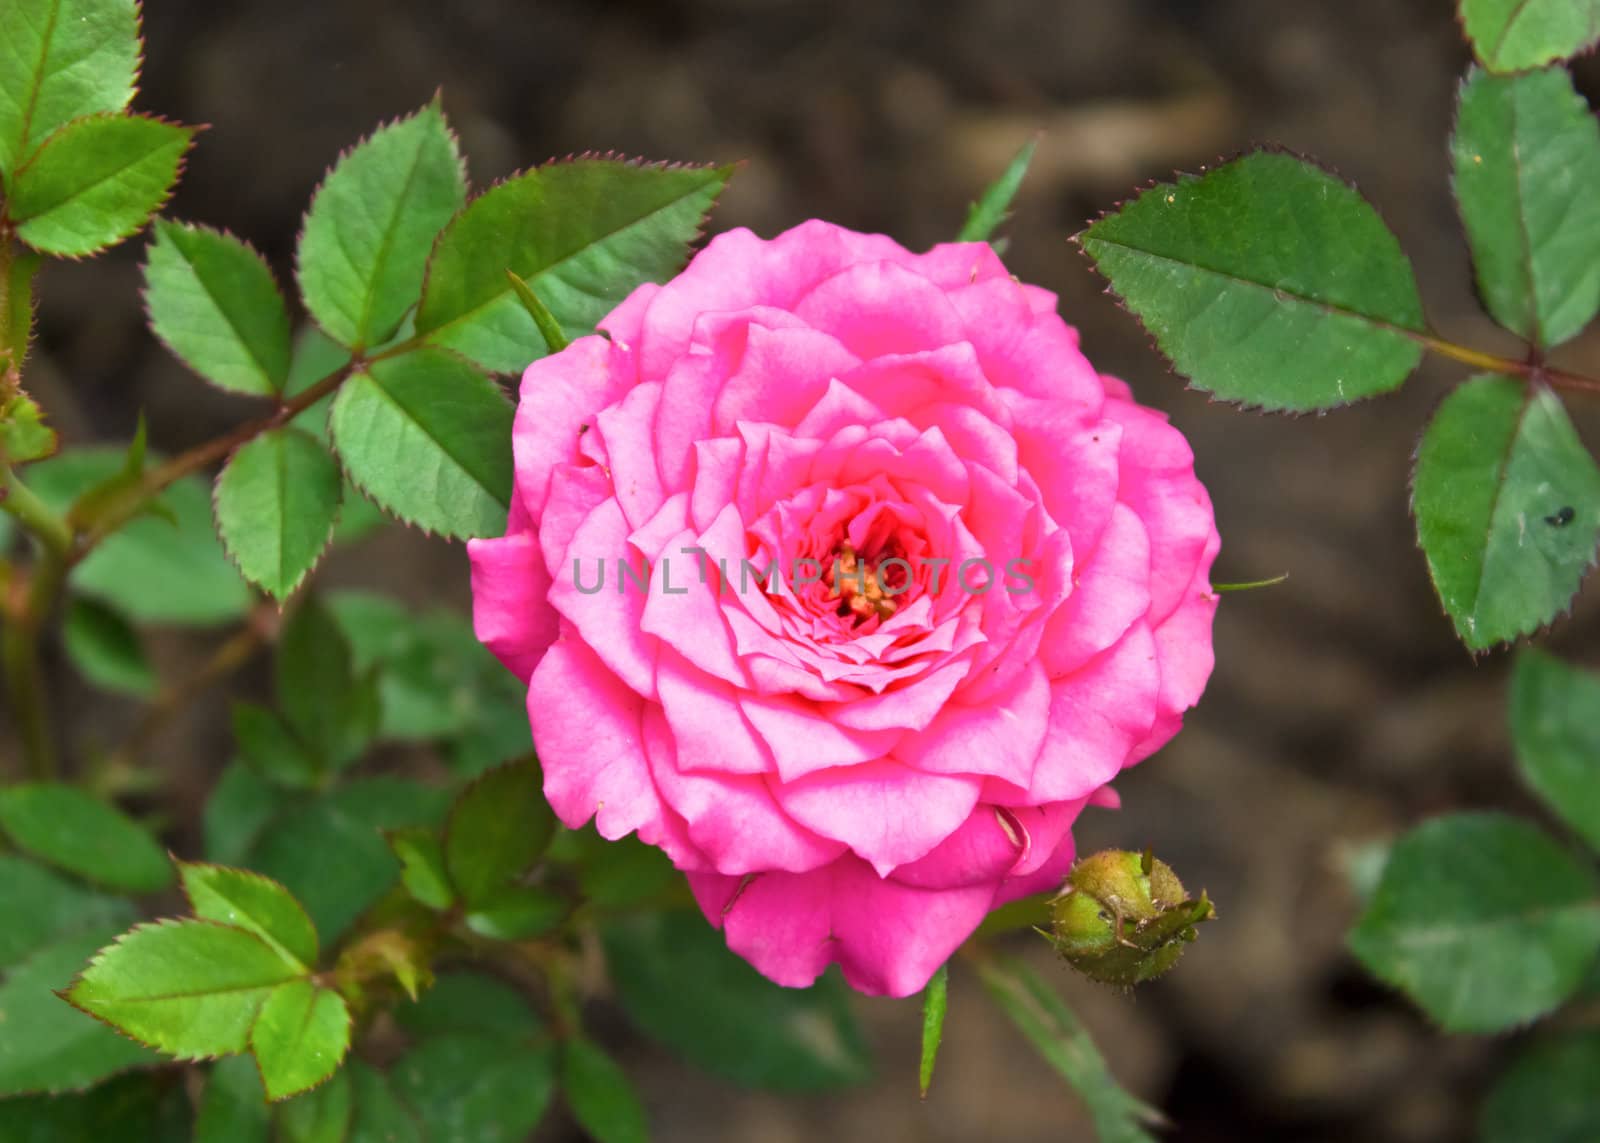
(586, 729)
(1158, 482)
(878, 308)
(606, 607)
(561, 394)
(509, 611)
(888, 813)
(733, 819)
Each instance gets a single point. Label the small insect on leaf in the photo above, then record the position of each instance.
(1561, 517)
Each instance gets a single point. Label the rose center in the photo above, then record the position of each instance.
(867, 586)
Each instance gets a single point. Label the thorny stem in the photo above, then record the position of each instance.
(25, 607)
(158, 479)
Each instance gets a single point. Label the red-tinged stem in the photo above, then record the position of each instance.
(1556, 378)
(158, 479)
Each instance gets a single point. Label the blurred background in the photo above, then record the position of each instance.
(1342, 708)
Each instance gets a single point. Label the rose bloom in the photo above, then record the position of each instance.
(854, 768)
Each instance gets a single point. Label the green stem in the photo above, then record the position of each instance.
(1489, 362)
(122, 509)
(19, 641)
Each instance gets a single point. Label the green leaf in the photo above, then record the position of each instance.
(516, 913)
(435, 679)
(1482, 920)
(472, 1003)
(276, 503)
(600, 1096)
(212, 300)
(62, 59)
(316, 358)
(1557, 738)
(77, 832)
(107, 650)
(1063, 1042)
(679, 984)
(429, 438)
(152, 569)
(581, 233)
(332, 709)
(51, 1046)
(16, 321)
(1508, 508)
(372, 225)
(300, 1038)
(994, 206)
(380, 1117)
(96, 181)
(233, 1105)
(240, 807)
(24, 436)
(272, 750)
(422, 869)
(1548, 1095)
(1526, 148)
(322, 1115)
(255, 903)
(483, 1088)
(130, 1108)
(623, 874)
(331, 854)
(1514, 35)
(1267, 281)
(498, 828)
(935, 1003)
(40, 906)
(189, 988)
(544, 321)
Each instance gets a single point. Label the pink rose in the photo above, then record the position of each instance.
(990, 591)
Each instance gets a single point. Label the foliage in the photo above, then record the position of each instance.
(1271, 283)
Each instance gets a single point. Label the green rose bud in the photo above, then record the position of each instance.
(1124, 917)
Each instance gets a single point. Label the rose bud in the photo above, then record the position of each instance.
(1124, 918)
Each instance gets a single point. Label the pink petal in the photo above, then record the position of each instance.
(783, 373)
(608, 619)
(982, 851)
(912, 706)
(561, 394)
(1002, 739)
(1097, 716)
(708, 729)
(804, 737)
(878, 308)
(684, 608)
(509, 610)
(625, 322)
(1112, 593)
(888, 938)
(1158, 482)
(626, 430)
(732, 818)
(1183, 646)
(888, 813)
(575, 492)
(1075, 462)
(586, 729)
(737, 271)
(953, 265)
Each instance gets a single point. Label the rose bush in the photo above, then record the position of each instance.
(992, 591)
